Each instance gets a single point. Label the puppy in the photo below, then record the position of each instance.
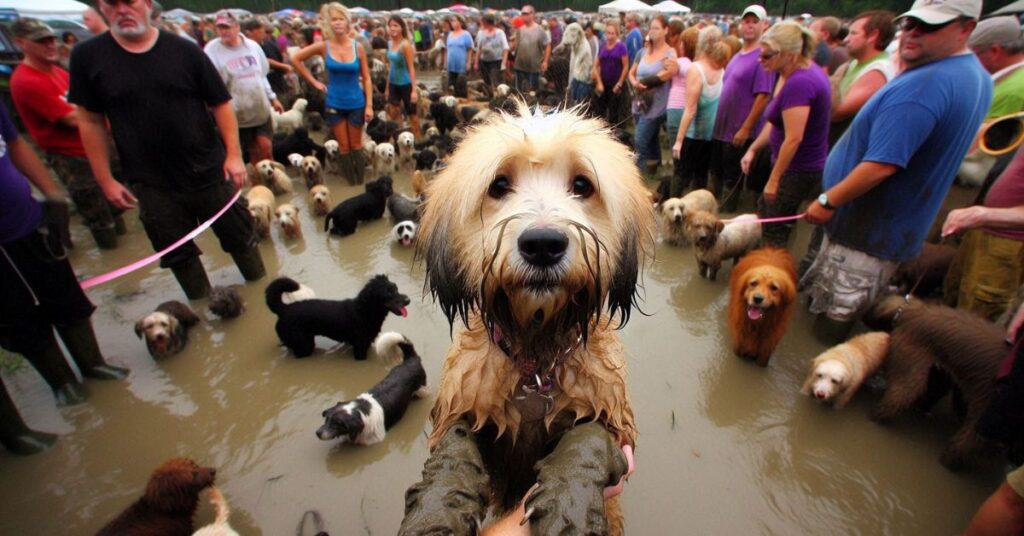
(226, 302)
(311, 171)
(169, 502)
(316, 121)
(355, 321)
(385, 161)
(674, 212)
(274, 177)
(716, 241)
(331, 161)
(365, 420)
(405, 232)
(432, 132)
(295, 159)
(287, 216)
(366, 206)
(320, 196)
(290, 120)
(426, 160)
(406, 159)
(761, 301)
(261, 208)
(220, 525)
(402, 207)
(166, 328)
(838, 373)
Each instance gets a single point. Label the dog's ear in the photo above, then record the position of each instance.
(622, 288)
(446, 281)
(719, 225)
(139, 327)
(277, 165)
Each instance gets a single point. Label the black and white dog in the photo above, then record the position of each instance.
(365, 420)
(405, 232)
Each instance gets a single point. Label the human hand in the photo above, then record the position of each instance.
(741, 136)
(415, 95)
(368, 113)
(234, 171)
(818, 214)
(319, 86)
(771, 190)
(287, 69)
(599, 88)
(118, 195)
(614, 491)
(677, 149)
(962, 219)
(543, 66)
(277, 106)
(617, 89)
(640, 85)
(746, 161)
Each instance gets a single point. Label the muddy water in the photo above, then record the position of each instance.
(725, 447)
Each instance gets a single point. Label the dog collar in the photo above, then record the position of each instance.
(528, 367)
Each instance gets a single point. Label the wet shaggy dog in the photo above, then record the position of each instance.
(355, 321)
(762, 295)
(925, 273)
(534, 236)
(226, 302)
(168, 504)
(369, 205)
(676, 210)
(715, 241)
(965, 346)
(838, 372)
(365, 420)
(166, 328)
(320, 196)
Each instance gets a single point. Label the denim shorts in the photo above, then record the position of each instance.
(333, 116)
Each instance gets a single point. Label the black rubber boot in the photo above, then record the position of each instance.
(120, 226)
(50, 363)
(80, 340)
(15, 435)
(106, 237)
(358, 163)
(345, 167)
(192, 277)
(250, 263)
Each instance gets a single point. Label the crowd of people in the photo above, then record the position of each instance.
(869, 121)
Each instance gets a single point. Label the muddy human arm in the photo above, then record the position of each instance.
(227, 124)
(364, 72)
(298, 62)
(92, 127)
(861, 180)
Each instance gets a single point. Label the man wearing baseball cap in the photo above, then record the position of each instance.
(999, 46)
(886, 178)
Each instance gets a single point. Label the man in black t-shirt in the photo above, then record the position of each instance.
(256, 30)
(165, 104)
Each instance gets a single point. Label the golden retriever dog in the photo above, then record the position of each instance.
(261, 208)
(168, 504)
(838, 372)
(220, 525)
(762, 296)
(320, 197)
(287, 216)
(311, 171)
(716, 241)
(676, 210)
(534, 236)
(273, 176)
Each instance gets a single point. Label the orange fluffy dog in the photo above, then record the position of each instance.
(762, 296)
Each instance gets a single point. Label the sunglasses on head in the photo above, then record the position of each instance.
(910, 24)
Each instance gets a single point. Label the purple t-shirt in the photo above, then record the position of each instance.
(744, 78)
(805, 87)
(611, 63)
(19, 212)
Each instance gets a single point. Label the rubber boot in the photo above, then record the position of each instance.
(50, 363)
(250, 263)
(105, 237)
(120, 226)
(345, 167)
(192, 277)
(831, 332)
(15, 434)
(80, 340)
(358, 165)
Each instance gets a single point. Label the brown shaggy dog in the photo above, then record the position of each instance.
(960, 343)
(534, 236)
(761, 300)
(925, 273)
(170, 501)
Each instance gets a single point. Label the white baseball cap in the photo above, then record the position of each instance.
(943, 11)
(755, 10)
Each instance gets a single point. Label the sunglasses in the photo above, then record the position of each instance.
(910, 24)
(113, 3)
(765, 56)
(527, 13)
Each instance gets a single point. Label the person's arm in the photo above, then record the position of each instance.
(962, 219)
(29, 164)
(866, 176)
(670, 67)
(743, 134)
(859, 93)
(1002, 514)
(279, 66)
(759, 142)
(547, 56)
(410, 64)
(794, 123)
(595, 74)
(694, 85)
(623, 74)
(298, 62)
(70, 120)
(504, 50)
(469, 53)
(265, 69)
(92, 128)
(632, 77)
(227, 124)
(367, 82)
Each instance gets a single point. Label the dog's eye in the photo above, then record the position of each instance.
(775, 288)
(753, 284)
(582, 187)
(499, 187)
(835, 381)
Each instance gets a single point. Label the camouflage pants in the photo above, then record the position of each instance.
(75, 173)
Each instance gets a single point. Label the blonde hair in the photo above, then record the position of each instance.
(720, 54)
(788, 36)
(707, 39)
(325, 18)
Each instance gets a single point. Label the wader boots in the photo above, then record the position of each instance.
(80, 340)
(15, 435)
(192, 277)
(250, 263)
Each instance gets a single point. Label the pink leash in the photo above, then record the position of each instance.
(767, 220)
(100, 279)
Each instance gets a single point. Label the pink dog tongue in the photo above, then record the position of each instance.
(404, 312)
(754, 313)
(406, 241)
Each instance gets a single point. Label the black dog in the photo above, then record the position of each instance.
(355, 321)
(296, 142)
(365, 420)
(382, 131)
(444, 117)
(363, 207)
(425, 160)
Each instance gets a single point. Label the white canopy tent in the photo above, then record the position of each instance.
(1010, 9)
(46, 8)
(623, 6)
(671, 6)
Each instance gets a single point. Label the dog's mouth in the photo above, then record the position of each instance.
(406, 241)
(160, 343)
(327, 432)
(398, 306)
(754, 312)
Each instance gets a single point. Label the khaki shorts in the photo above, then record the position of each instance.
(1016, 480)
(843, 282)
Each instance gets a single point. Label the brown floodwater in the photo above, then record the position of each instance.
(725, 447)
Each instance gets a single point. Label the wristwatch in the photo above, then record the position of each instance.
(823, 201)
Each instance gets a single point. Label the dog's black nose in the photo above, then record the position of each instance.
(758, 299)
(543, 246)
(679, 219)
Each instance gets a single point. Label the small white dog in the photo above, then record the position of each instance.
(321, 199)
(288, 218)
(331, 157)
(220, 525)
(404, 232)
(503, 90)
(838, 373)
(406, 146)
(449, 101)
(311, 169)
(385, 161)
(432, 132)
(295, 159)
(676, 210)
(290, 120)
(274, 176)
(261, 208)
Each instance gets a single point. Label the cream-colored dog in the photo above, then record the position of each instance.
(287, 216)
(406, 145)
(311, 171)
(320, 196)
(295, 159)
(675, 210)
(261, 208)
(838, 373)
(331, 157)
(715, 241)
(290, 120)
(274, 177)
(386, 162)
(220, 525)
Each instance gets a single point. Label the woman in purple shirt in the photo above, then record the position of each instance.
(796, 129)
(610, 70)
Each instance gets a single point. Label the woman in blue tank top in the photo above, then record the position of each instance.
(349, 102)
(400, 90)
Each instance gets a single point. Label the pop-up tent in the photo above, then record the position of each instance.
(671, 6)
(1010, 9)
(45, 9)
(625, 6)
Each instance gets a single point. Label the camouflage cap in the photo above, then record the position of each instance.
(31, 29)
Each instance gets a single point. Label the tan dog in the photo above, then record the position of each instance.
(761, 299)
(287, 216)
(716, 241)
(261, 208)
(320, 197)
(838, 372)
(419, 182)
(676, 210)
(311, 171)
(273, 176)
(534, 235)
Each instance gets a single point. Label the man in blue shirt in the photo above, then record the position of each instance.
(634, 38)
(886, 178)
